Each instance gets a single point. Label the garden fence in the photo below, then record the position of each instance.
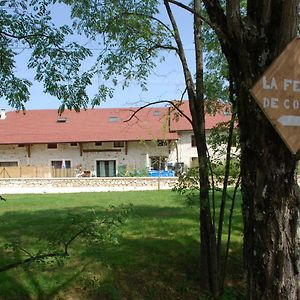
(36, 172)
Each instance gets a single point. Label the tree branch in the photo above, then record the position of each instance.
(23, 37)
(213, 188)
(164, 47)
(229, 228)
(28, 36)
(183, 93)
(218, 20)
(234, 17)
(214, 26)
(78, 233)
(151, 18)
(73, 238)
(31, 259)
(187, 74)
(25, 251)
(159, 102)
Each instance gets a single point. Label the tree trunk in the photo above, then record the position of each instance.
(269, 187)
(209, 259)
(196, 103)
(270, 209)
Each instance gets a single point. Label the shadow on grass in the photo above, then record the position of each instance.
(25, 283)
(156, 258)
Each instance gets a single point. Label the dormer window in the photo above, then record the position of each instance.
(61, 120)
(156, 113)
(113, 119)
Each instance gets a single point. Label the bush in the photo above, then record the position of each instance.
(188, 182)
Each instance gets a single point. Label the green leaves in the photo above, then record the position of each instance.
(128, 32)
(55, 245)
(28, 26)
(15, 90)
(216, 74)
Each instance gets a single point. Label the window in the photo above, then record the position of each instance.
(161, 143)
(59, 164)
(52, 146)
(158, 163)
(193, 141)
(98, 143)
(21, 145)
(61, 120)
(8, 163)
(106, 168)
(156, 113)
(119, 144)
(73, 144)
(113, 119)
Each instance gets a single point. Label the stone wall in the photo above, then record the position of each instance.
(64, 185)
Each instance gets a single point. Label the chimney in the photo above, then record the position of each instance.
(2, 114)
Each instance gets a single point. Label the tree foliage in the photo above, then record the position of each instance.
(216, 75)
(57, 63)
(55, 245)
(129, 34)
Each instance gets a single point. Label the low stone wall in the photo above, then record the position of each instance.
(64, 185)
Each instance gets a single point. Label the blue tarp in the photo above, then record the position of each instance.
(155, 173)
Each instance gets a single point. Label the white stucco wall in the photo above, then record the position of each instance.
(186, 152)
(42, 156)
(185, 149)
(137, 157)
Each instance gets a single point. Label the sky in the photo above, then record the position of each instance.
(165, 83)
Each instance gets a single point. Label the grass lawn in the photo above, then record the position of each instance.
(156, 256)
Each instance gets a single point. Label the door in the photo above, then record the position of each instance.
(106, 168)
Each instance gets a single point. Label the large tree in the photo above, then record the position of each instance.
(251, 38)
(28, 26)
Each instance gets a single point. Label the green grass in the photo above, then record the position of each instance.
(156, 256)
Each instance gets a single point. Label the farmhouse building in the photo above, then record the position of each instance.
(100, 142)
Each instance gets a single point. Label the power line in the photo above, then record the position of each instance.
(92, 49)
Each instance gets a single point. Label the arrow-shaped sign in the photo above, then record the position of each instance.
(289, 120)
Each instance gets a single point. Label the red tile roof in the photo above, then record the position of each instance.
(91, 125)
(182, 124)
(41, 126)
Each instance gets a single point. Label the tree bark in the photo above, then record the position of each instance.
(270, 210)
(269, 186)
(209, 259)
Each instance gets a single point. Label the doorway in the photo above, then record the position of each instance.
(106, 168)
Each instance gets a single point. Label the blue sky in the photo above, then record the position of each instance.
(165, 83)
